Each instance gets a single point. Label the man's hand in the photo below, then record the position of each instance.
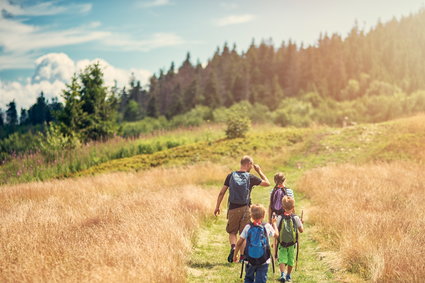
(217, 211)
(257, 168)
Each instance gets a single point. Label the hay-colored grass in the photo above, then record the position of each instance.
(372, 217)
(117, 227)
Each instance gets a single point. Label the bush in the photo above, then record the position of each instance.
(237, 126)
(294, 112)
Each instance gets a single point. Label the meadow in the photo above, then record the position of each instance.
(115, 227)
(39, 166)
(95, 227)
(371, 218)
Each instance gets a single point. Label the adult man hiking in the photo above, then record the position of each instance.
(240, 184)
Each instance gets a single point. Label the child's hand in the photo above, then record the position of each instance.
(235, 258)
(273, 220)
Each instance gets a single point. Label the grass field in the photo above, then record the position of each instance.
(114, 227)
(93, 228)
(372, 218)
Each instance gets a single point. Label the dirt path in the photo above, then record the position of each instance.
(209, 259)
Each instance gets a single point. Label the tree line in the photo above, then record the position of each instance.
(364, 75)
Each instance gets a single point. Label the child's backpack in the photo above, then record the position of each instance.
(276, 200)
(257, 250)
(288, 232)
(239, 188)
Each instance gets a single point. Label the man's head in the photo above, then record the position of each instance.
(246, 163)
(257, 212)
(288, 203)
(279, 178)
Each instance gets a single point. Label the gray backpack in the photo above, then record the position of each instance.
(239, 188)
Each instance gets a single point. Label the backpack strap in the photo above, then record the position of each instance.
(295, 226)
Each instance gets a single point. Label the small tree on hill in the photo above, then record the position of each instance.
(237, 126)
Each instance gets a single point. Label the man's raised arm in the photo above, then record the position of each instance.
(265, 182)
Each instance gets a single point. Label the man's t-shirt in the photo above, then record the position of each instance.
(253, 181)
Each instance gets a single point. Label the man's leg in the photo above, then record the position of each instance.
(232, 239)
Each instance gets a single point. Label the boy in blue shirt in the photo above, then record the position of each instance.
(256, 273)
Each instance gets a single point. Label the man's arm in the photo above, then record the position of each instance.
(264, 181)
(219, 199)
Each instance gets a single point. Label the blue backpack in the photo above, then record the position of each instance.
(239, 188)
(257, 250)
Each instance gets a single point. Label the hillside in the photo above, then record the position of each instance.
(107, 213)
(303, 147)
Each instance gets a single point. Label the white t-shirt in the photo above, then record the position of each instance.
(269, 230)
(298, 223)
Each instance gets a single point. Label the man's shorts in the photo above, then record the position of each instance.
(238, 218)
(286, 255)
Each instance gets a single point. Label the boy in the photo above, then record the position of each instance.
(256, 273)
(288, 228)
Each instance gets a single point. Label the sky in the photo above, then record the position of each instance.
(43, 43)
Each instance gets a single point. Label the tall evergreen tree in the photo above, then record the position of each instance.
(98, 107)
(72, 116)
(11, 114)
(38, 112)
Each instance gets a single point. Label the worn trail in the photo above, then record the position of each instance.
(209, 259)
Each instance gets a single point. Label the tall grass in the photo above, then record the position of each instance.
(38, 166)
(118, 227)
(372, 217)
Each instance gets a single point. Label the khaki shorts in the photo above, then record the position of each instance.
(238, 218)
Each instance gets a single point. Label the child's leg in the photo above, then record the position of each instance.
(261, 273)
(291, 258)
(249, 275)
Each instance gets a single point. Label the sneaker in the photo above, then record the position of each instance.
(230, 257)
(282, 277)
(288, 277)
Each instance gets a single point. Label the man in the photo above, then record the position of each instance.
(240, 184)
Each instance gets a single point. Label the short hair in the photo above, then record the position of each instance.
(288, 203)
(257, 211)
(246, 160)
(279, 178)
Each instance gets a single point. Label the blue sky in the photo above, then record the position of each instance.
(43, 42)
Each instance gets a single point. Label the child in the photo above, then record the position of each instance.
(279, 190)
(275, 205)
(256, 270)
(288, 228)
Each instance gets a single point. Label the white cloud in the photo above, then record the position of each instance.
(20, 42)
(234, 19)
(52, 71)
(229, 5)
(42, 9)
(154, 3)
(157, 40)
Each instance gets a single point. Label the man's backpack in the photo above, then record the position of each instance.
(276, 200)
(257, 250)
(239, 188)
(288, 232)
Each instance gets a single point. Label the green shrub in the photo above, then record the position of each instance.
(237, 126)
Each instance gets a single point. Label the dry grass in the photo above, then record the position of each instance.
(373, 217)
(115, 227)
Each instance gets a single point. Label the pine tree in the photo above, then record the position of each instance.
(72, 117)
(96, 105)
(11, 114)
